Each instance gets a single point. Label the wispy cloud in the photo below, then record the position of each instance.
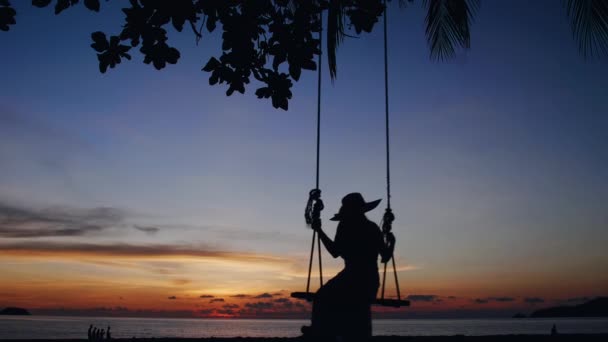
(39, 148)
(422, 298)
(57, 249)
(260, 305)
(502, 299)
(181, 282)
(18, 222)
(493, 299)
(147, 229)
(118, 311)
(533, 300)
(264, 295)
(577, 299)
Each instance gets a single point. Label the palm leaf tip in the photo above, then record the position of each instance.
(448, 26)
(335, 34)
(589, 24)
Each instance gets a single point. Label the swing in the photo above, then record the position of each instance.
(314, 205)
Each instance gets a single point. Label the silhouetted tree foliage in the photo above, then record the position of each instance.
(7, 15)
(274, 40)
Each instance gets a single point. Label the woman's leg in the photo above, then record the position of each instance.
(360, 313)
(326, 308)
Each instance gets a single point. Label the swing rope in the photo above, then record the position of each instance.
(386, 116)
(312, 213)
(389, 217)
(314, 206)
(319, 202)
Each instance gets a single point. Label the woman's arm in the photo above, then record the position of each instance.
(328, 243)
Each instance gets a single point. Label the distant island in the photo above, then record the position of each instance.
(594, 308)
(15, 312)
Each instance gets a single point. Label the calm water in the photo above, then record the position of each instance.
(76, 327)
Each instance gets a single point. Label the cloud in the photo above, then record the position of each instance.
(259, 305)
(16, 222)
(577, 299)
(284, 302)
(172, 298)
(45, 152)
(181, 281)
(422, 298)
(147, 229)
(240, 295)
(71, 250)
(215, 300)
(117, 311)
(493, 299)
(502, 299)
(534, 300)
(263, 295)
(206, 296)
(229, 312)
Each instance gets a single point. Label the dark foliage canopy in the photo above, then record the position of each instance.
(273, 41)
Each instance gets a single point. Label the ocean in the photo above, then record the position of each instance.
(33, 327)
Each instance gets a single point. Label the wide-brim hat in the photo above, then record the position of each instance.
(354, 203)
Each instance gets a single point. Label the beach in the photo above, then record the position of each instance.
(457, 338)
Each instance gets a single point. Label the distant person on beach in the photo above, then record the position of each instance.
(342, 307)
(554, 330)
(89, 333)
(108, 335)
(102, 334)
(94, 333)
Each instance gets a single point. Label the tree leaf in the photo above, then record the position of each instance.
(93, 5)
(211, 65)
(448, 26)
(100, 42)
(211, 24)
(589, 24)
(335, 35)
(295, 71)
(61, 5)
(7, 18)
(41, 3)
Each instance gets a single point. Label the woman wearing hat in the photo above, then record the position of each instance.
(342, 307)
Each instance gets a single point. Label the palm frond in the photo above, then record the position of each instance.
(403, 3)
(448, 26)
(335, 34)
(589, 23)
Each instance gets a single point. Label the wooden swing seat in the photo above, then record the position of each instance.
(394, 303)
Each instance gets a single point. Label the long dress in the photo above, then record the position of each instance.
(342, 307)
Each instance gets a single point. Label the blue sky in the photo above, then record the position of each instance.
(499, 155)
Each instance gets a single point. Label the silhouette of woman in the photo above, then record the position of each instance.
(342, 307)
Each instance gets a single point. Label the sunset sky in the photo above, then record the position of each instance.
(150, 193)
